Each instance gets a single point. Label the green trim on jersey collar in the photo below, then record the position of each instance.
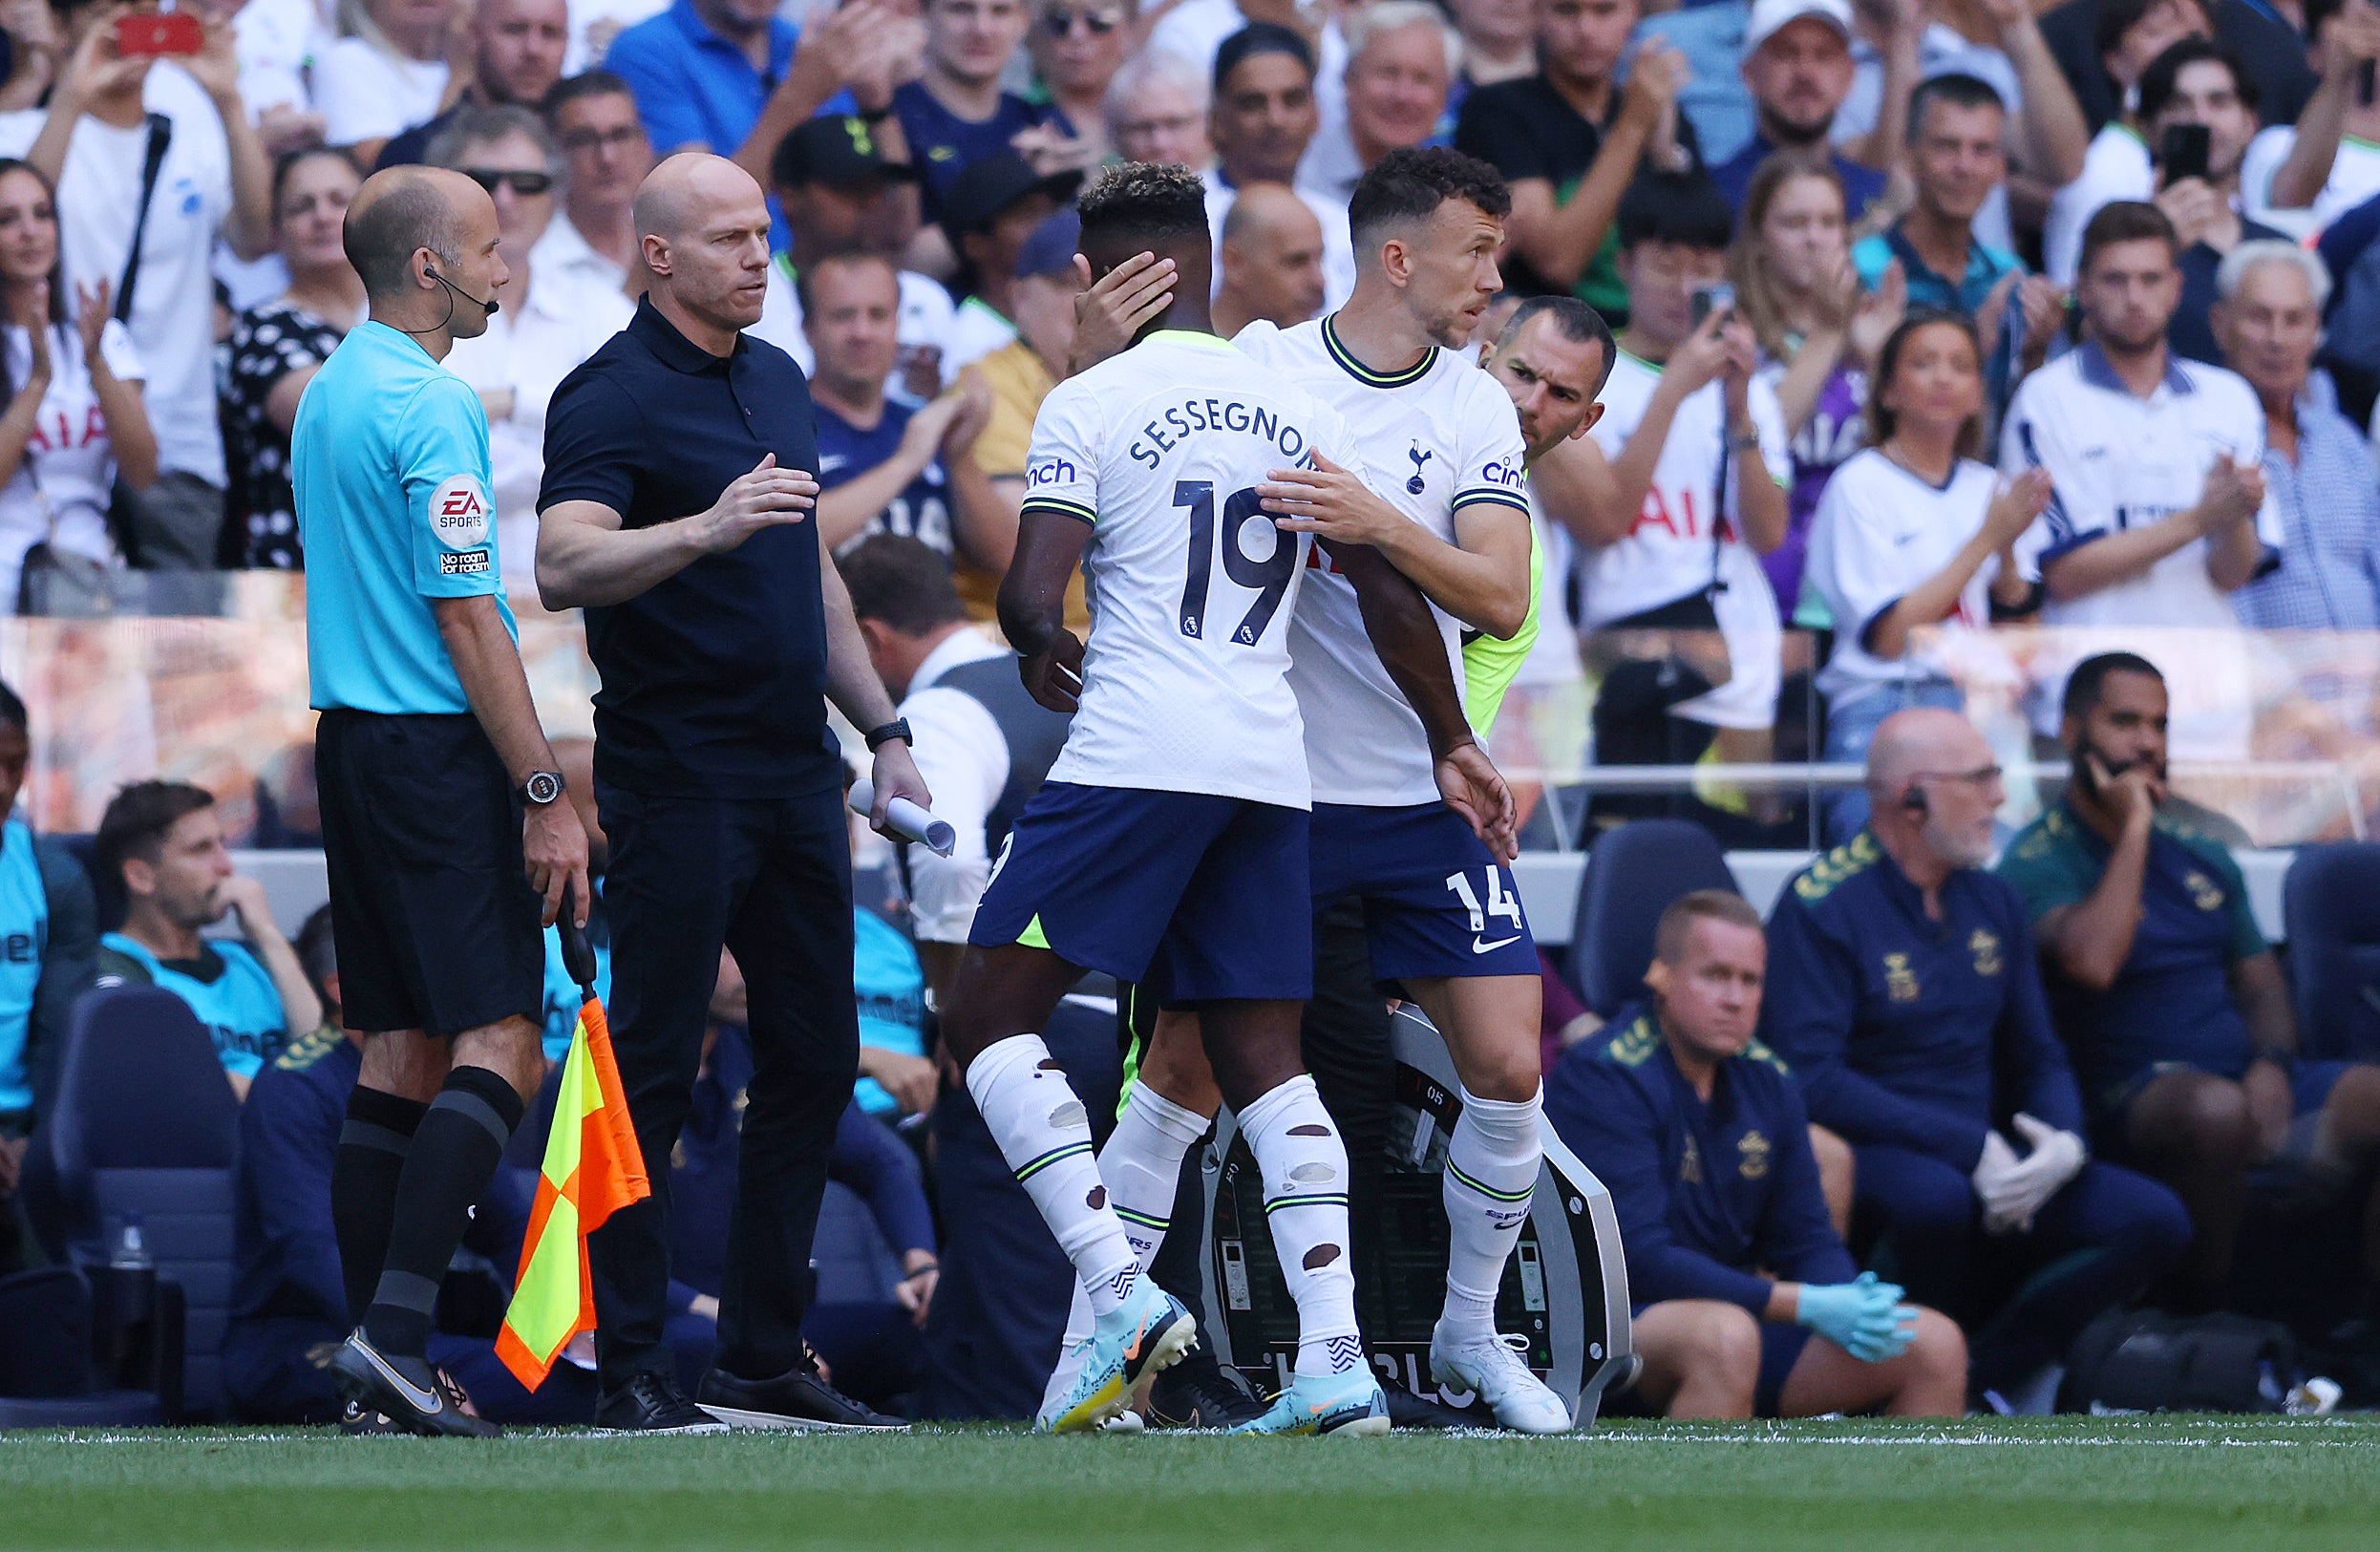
(1364, 375)
(1188, 337)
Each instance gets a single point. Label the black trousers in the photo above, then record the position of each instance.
(770, 879)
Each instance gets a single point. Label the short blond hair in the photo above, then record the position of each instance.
(1699, 906)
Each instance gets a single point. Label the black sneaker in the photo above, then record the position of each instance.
(1200, 1392)
(407, 1391)
(1406, 1410)
(653, 1404)
(797, 1399)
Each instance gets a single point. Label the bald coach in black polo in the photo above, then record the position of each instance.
(676, 512)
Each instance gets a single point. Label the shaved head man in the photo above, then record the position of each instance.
(677, 510)
(1934, 787)
(424, 242)
(1271, 260)
(439, 790)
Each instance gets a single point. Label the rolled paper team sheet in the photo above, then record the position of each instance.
(907, 820)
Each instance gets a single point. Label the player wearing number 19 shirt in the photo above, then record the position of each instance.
(1169, 841)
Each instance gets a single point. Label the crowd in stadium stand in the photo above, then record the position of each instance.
(2067, 314)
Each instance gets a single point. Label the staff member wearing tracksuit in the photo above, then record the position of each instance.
(1905, 995)
(438, 789)
(675, 510)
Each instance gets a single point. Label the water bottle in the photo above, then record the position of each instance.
(124, 1309)
(131, 1252)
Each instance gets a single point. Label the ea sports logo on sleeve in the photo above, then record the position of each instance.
(460, 512)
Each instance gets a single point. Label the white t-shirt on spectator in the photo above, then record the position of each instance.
(277, 39)
(586, 15)
(563, 249)
(2354, 178)
(69, 472)
(2118, 461)
(368, 94)
(1679, 545)
(530, 348)
(1338, 246)
(173, 318)
(975, 331)
(2116, 167)
(924, 321)
(1881, 531)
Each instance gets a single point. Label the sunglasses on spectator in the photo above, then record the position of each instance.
(525, 184)
(1060, 20)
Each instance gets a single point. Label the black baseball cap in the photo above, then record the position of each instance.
(840, 151)
(990, 186)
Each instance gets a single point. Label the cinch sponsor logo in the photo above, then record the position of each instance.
(1054, 471)
(1506, 474)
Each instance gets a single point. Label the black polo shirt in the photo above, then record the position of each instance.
(713, 681)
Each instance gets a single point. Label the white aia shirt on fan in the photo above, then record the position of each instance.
(1191, 587)
(1437, 437)
(1682, 543)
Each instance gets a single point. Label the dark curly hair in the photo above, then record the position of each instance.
(1141, 201)
(1407, 185)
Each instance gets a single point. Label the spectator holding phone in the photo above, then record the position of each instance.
(2330, 162)
(112, 114)
(2197, 118)
(74, 419)
(277, 348)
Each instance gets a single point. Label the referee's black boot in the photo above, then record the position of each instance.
(406, 1390)
(798, 1399)
(653, 1404)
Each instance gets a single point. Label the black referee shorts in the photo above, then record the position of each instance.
(437, 927)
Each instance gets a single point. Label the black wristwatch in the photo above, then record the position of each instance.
(541, 788)
(897, 728)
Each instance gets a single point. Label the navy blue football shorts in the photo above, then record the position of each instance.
(1203, 896)
(1435, 901)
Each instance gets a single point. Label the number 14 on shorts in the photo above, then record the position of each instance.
(1497, 900)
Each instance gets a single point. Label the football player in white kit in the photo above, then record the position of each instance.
(1442, 915)
(1169, 842)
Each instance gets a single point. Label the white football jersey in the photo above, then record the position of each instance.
(1680, 542)
(1431, 440)
(1191, 587)
(1880, 533)
(2118, 461)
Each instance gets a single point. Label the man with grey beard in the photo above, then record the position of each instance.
(1903, 992)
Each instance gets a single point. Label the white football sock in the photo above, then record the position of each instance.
(1045, 1135)
(1305, 1169)
(1141, 1164)
(1492, 1165)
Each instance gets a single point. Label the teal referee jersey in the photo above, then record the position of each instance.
(390, 461)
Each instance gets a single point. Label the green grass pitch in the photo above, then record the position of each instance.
(2118, 1483)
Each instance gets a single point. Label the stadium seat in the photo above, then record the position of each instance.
(45, 1358)
(2330, 910)
(144, 1123)
(1632, 875)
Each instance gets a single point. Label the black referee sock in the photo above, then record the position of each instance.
(455, 1154)
(364, 1174)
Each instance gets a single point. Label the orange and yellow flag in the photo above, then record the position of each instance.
(593, 1169)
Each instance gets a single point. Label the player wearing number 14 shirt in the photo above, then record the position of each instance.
(1168, 845)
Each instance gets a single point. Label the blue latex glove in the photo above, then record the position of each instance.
(1865, 1317)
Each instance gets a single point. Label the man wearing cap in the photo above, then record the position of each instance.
(1797, 64)
(987, 213)
(1261, 121)
(845, 190)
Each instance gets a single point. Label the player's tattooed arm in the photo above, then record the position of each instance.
(1032, 605)
(1405, 633)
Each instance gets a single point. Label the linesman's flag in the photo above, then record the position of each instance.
(593, 1169)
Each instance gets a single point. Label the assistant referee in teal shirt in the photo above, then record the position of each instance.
(442, 824)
